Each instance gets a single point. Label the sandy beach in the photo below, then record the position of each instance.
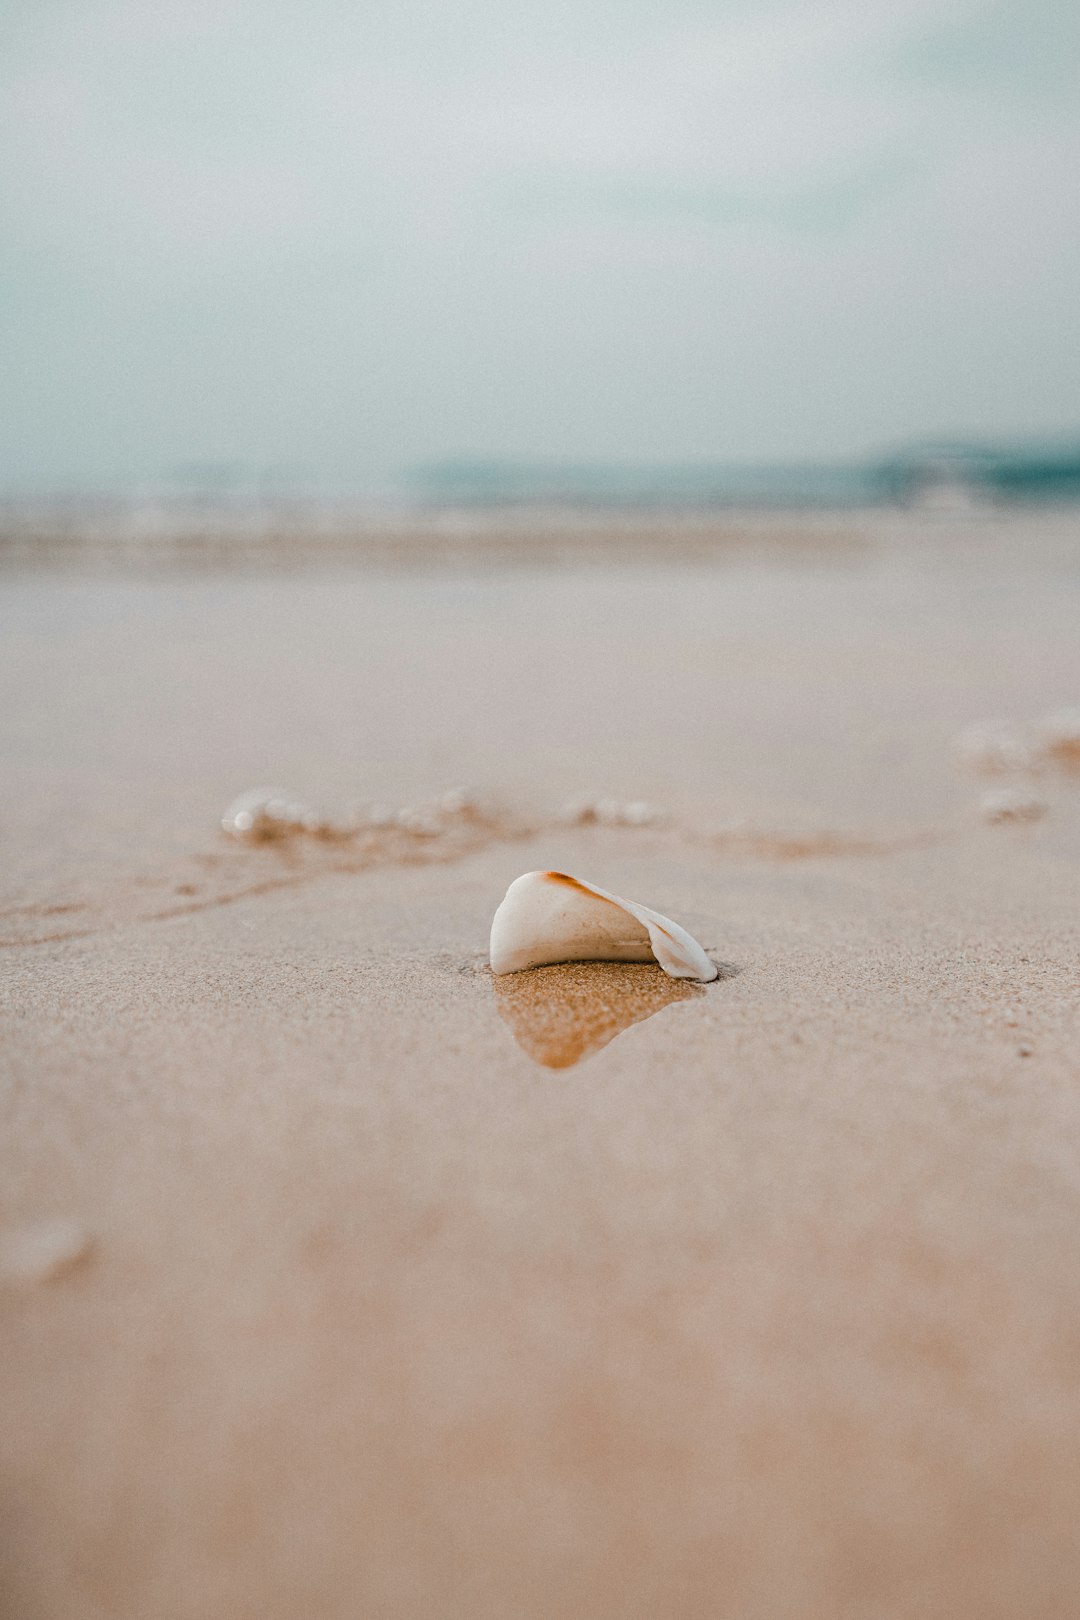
(394, 1290)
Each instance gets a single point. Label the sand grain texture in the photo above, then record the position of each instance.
(760, 1300)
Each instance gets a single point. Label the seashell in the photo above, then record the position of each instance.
(548, 917)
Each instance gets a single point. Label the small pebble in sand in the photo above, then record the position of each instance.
(1024, 1050)
(994, 747)
(1012, 804)
(1059, 734)
(44, 1252)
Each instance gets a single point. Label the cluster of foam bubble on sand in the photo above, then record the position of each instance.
(275, 841)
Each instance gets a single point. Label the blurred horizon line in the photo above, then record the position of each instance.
(924, 471)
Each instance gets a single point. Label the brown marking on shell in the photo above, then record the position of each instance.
(582, 888)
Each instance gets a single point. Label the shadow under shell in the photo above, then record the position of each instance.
(561, 1014)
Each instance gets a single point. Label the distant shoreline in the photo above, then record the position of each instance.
(182, 536)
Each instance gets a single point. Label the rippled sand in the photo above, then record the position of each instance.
(368, 1284)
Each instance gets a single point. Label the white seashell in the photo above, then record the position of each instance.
(550, 917)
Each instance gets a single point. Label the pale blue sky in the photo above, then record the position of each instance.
(339, 238)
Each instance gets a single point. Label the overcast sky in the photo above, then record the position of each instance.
(330, 239)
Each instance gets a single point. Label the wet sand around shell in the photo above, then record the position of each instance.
(353, 1280)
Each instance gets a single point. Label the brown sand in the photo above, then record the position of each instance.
(401, 1292)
